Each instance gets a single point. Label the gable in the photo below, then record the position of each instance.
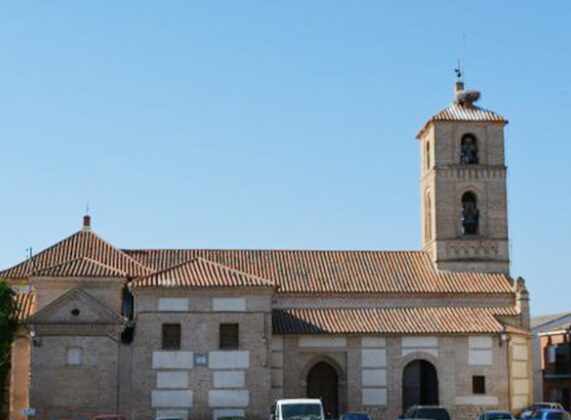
(75, 307)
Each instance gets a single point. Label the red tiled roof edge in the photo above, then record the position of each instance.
(25, 305)
(391, 321)
(457, 112)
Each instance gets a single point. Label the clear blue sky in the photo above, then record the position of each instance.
(242, 124)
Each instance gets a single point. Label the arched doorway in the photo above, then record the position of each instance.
(323, 382)
(419, 384)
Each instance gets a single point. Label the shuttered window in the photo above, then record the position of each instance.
(229, 336)
(171, 336)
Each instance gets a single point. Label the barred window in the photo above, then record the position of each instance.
(478, 384)
(171, 336)
(229, 336)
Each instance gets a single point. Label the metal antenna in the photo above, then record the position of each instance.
(462, 58)
(30, 255)
(458, 71)
(87, 208)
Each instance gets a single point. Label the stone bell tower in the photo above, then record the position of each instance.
(463, 187)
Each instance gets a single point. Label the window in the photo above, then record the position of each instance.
(563, 358)
(427, 154)
(428, 217)
(478, 384)
(551, 354)
(75, 356)
(171, 336)
(470, 214)
(229, 336)
(469, 150)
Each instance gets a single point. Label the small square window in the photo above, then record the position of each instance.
(229, 336)
(75, 356)
(478, 384)
(171, 336)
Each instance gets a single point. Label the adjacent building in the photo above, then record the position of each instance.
(205, 333)
(552, 358)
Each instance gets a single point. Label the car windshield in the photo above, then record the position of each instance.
(432, 413)
(540, 406)
(537, 414)
(498, 416)
(356, 416)
(301, 411)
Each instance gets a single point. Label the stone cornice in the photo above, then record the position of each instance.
(67, 329)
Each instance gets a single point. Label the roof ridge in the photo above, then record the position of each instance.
(214, 263)
(233, 270)
(413, 251)
(167, 269)
(91, 232)
(83, 258)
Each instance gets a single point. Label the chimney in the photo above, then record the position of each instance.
(86, 223)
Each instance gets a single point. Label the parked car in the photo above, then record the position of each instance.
(168, 418)
(354, 416)
(302, 408)
(232, 418)
(427, 412)
(495, 415)
(550, 415)
(540, 406)
(109, 417)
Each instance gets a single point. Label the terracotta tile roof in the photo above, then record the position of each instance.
(201, 273)
(294, 272)
(80, 244)
(457, 112)
(79, 267)
(338, 271)
(414, 320)
(26, 304)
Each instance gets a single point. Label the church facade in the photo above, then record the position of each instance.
(203, 334)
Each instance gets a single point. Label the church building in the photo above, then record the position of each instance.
(203, 333)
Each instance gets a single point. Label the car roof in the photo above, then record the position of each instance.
(300, 401)
(496, 411)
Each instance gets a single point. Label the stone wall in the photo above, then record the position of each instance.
(371, 369)
(74, 376)
(200, 380)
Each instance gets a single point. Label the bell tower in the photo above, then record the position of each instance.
(463, 187)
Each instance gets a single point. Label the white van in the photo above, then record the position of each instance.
(297, 409)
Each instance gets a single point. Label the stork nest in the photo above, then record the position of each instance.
(467, 97)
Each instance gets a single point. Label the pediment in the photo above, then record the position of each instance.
(76, 307)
